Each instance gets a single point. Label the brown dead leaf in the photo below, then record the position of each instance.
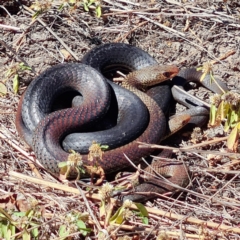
(23, 205)
(65, 54)
(94, 171)
(3, 89)
(8, 201)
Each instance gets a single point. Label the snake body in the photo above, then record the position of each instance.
(44, 130)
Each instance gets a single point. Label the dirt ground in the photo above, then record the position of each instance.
(186, 33)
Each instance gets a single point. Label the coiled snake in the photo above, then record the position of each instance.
(45, 130)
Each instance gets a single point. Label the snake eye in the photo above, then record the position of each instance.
(167, 74)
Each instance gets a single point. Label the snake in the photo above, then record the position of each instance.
(140, 114)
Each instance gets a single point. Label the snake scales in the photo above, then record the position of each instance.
(45, 130)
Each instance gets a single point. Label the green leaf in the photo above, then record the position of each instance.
(26, 235)
(102, 209)
(62, 231)
(15, 83)
(226, 126)
(85, 6)
(98, 11)
(9, 72)
(238, 114)
(12, 229)
(4, 228)
(19, 214)
(81, 224)
(142, 209)
(230, 120)
(222, 111)
(82, 227)
(212, 117)
(143, 212)
(233, 137)
(35, 232)
(235, 116)
(30, 213)
(24, 67)
(118, 216)
(1, 232)
(119, 219)
(145, 220)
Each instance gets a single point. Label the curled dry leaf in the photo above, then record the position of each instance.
(8, 201)
(3, 89)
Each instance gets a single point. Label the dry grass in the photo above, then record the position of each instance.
(185, 33)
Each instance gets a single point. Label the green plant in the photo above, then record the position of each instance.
(226, 108)
(74, 221)
(14, 72)
(85, 3)
(19, 224)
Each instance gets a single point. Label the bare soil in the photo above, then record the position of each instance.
(185, 33)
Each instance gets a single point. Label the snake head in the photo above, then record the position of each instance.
(151, 75)
(169, 71)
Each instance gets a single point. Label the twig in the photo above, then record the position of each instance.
(144, 145)
(6, 113)
(1, 6)
(11, 28)
(130, 2)
(226, 55)
(220, 171)
(117, 12)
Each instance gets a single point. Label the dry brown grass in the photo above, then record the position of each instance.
(185, 33)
